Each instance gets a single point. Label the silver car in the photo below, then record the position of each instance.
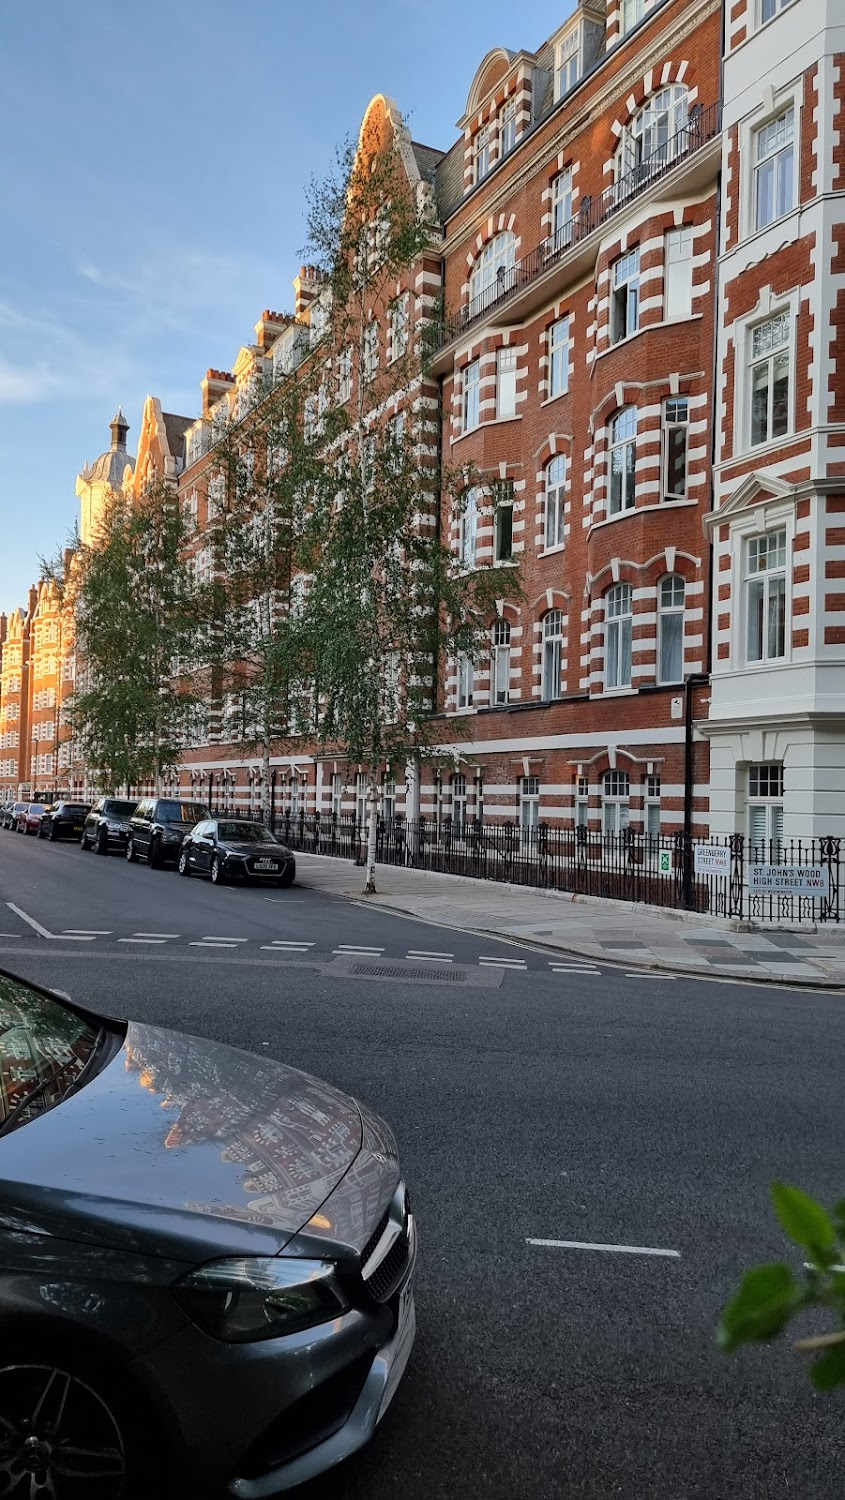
(194, 1242)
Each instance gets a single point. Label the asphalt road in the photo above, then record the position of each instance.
(596, 1107)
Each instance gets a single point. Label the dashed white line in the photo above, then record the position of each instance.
(427, 953)
(503, 963)
(151, 940)
(86, 932)
(161, 935)
(283, 943)
(355, 948)
(209, 938)
(11, 934)
(611, 1249)
(212, 943)
(649, 976)
(428, 958)
(571, 969)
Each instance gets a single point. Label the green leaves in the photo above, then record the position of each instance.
(770, 1296)
(804, 1220)
(761, 1308)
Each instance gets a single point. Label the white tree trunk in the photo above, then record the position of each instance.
(370, 887)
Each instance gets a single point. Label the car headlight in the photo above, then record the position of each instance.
(243, 1300)
(170, 835)
(112, 826)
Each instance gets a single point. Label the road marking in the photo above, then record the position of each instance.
(427, 953)
(612, 1249)
(87, 932)
(504, 963)
(209, 939)
(649, 976)
(428, 958)
(213, 943)
(141, 940)
(571, 969)
(161, 935)
(42, 931)
(11, 934)
(355, 948)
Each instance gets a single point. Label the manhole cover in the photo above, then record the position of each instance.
(398, 971)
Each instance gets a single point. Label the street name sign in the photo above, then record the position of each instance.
(712, 859)
(797, 880)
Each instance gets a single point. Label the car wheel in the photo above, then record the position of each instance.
(131, 853)
(51, 834)
(154, 854)
(83, 841)
(102, 844)
(216, 871)
(184, 867)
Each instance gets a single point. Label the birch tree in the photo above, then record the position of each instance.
(384, 601)
(135, 620)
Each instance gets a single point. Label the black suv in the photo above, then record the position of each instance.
(107, 824)
(158, 826)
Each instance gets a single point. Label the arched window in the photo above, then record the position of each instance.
(657, 134)
(623, 460)
(556, 473)
(616, 795)
(493, 272)
(670, 629)
(500, 664)
(552, 654)
(618, 612)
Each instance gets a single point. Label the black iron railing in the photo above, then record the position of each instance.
(702, 126)
(795, 880)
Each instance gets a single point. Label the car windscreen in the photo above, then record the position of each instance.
(244, 833)
(44, 1048)
(184, 812)
(73, 809)
(37, 807)
(119, 809)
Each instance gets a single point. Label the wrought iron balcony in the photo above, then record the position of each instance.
(703, 126)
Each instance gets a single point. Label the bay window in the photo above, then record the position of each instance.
(770, 362)
(623, 460)
(774, 169)
(765, 597)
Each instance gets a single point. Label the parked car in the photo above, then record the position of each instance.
(235, 849)
(29, 817)
(158, 826)
(12, 812)
(150, 1285)
(62, 820)
(107, 825)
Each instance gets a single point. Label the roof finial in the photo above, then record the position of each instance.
(119, 428)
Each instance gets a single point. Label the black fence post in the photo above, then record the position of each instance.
(736, 884)
(685, 850)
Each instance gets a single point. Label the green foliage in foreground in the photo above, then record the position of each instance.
(769, 1297)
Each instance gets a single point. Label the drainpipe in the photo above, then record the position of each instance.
(696, 679)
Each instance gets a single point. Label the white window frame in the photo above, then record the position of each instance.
(500, 663)
(472, 396)
(671, 603)
(776, 351)
(507, 128)
(336, 795)
(625, 296)
(676, 418)
(647, 139)
(493, 269)
(615, 803)
(768, 308)
(557, 484)
(774, 156)
(503, 500)
(777, 7)
(371, 351)
(468, 540)
(678, 265)
(554, 627)
(622, 436)
(618, 637)
(507, 371)
(561, 202)
(651, 807)
(769, 803)
(481, 153)
(529, 807)
(774, 516)
(459, 805)
(465, 685)
(582, 802)
(399, 326)
(344, 374)
(768, 580)
(557, 345)
(568, 53)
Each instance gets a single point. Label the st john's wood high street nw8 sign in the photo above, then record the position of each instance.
(797, 880)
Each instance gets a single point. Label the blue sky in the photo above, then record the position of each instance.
(152, 173)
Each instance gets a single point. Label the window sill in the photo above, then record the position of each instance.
(648, 328)
(505, 562)
(620, 692)
(640, 510)
(549, 401)
(749, 235)
(482, 426)
(763, 449)
(553, 551)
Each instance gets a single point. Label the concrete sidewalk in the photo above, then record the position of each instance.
(636, 935)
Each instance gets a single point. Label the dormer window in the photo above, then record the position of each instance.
(507, 128)
(633, 12)
(568, 63)
(482, 153)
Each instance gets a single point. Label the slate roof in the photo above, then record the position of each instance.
(427, 159)
(175, 428)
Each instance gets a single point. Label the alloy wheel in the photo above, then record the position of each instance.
(130, 849)
(216, 871)
(184, 867)
(58, 1438)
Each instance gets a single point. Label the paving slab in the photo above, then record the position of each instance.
(649, 938)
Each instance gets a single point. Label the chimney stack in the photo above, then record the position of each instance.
(306, 286)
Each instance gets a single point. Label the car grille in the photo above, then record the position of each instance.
(386, 1275)
(375, 1237)
(251, 866)
(383, 1280)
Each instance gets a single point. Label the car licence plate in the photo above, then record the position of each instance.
(77, 827)
(266, 864)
